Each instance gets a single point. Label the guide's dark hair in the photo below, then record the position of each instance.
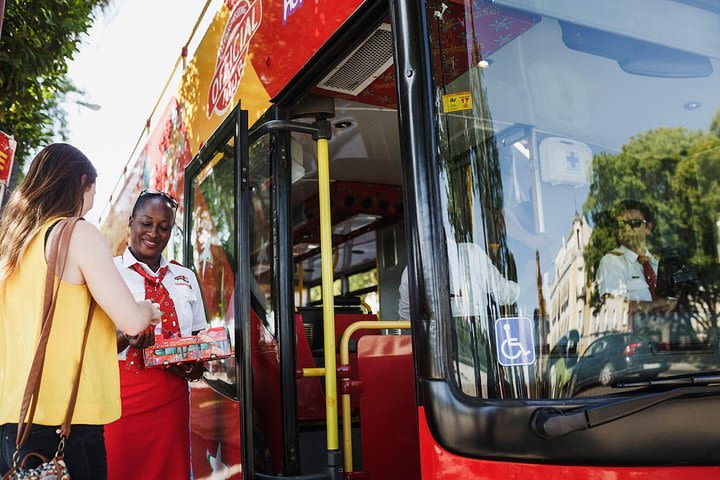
(629, 204)
(147, 197)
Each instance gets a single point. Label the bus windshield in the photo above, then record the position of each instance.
(579, 161)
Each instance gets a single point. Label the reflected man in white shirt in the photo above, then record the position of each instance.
(630, 270)
(472, 277)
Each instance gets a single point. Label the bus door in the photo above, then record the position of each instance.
(242, 421)
(364, 200)
(228, 245)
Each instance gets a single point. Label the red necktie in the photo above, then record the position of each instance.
(649, 274)
(155, 292)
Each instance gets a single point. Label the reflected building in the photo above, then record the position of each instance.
(570, 307)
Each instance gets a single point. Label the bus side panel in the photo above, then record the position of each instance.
(439, 464)
(214, 434)
(267, 420)
(288, 37)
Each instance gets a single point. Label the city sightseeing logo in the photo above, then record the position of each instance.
(244, 20)
(289, 7)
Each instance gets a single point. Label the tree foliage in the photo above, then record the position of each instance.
(676, 173)
(38, 38)
(673, 171)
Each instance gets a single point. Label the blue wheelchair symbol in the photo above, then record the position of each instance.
(515, 341)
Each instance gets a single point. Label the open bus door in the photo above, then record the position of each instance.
(213, 245)
(236, 422)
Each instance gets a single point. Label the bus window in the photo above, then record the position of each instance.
(204, 346)
(578, 156)
(171, 351)
(212, 229)
(261, 253)
(315, 293)
(365, 286)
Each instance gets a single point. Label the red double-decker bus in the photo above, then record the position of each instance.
(451, 239)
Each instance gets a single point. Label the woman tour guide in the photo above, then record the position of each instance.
(152, 438)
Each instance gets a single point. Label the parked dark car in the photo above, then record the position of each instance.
(616, 357)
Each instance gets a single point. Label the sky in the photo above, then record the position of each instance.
(122, 66)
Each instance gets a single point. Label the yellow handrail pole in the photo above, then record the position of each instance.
(345, 360)
(313, 372)
(326, 260)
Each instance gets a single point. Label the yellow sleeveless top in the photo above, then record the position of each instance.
(21, 305)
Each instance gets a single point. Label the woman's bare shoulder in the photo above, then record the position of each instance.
(87, 236)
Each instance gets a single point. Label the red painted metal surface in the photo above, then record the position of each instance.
(288, 37)
(439, 464)
(214, 434)
(7, 154)
(349, 199)
(388, 422)
(310, 395)
(266, 398)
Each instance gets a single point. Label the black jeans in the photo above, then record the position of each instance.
(84, 449)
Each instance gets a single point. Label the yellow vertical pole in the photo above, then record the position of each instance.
(326, 260)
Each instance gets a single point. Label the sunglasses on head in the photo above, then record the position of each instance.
(166, 196)
(635, 222)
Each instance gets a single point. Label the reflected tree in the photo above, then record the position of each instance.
(676, 173)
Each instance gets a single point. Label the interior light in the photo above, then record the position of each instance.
(692, 106)
(343, 124)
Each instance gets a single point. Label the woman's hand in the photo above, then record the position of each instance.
(155, 314)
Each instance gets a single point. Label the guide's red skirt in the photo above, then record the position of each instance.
(151, 441)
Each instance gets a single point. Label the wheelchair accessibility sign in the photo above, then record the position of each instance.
(515, 341)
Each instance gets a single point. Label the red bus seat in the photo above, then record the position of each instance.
(310, 391)
(385, 366)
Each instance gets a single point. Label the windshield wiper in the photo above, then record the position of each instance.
(554, 423)
(688, 379)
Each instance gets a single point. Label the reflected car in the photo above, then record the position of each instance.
(617, 357)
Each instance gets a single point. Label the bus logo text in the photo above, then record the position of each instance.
(289, 7)
(232, 53)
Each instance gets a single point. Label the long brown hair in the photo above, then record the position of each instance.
(53, 187)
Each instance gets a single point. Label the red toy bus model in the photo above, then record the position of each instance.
(210, 344)
(527, 161)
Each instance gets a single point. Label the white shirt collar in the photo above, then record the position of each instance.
(128, 260)
(631, 256)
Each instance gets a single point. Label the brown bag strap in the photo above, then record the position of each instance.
(65, 427)
(32, 387)
(56, 266)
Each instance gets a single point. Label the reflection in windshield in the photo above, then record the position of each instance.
(579, 170)
(213, 252)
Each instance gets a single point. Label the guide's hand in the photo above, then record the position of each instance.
(192, 372)
(143, 340)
